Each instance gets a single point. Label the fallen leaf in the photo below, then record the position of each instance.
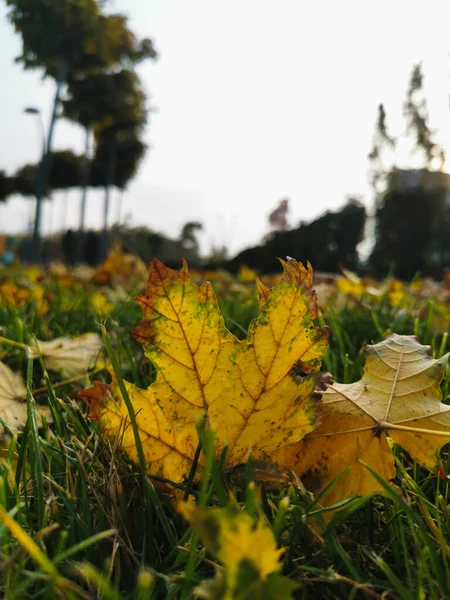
(247, 274)
(396, 292)
(100, 304)
(40, 299)
(13, 406)
(82, 273)
(351, 287)
(12, 295)
(252, 399)
(33, 273)
(398, 396)
(72, 356)
(8, 467)
(247, 549)
(119, 267)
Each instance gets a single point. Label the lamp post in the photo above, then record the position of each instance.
(40, 184)
(32, 110)
(46, 159)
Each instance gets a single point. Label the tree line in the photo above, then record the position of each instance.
(410, 221)
(91, 56)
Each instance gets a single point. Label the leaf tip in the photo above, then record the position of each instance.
(263, 292)
(296, 272)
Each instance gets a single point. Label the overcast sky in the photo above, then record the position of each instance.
(255, 100)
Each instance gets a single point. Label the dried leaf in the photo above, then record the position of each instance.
(253, 400)
(72, 356)
(398, 396)
(13, 407)
(119, 267)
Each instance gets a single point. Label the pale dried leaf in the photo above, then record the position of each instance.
(72, 356)
(13, 406)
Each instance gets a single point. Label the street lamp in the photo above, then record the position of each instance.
(46, 159)
(32, 110)
(40, 184)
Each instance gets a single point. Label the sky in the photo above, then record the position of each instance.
(252, 101)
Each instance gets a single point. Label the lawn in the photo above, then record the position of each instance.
(80, 519)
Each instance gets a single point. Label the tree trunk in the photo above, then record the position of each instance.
(44, 165)
(85, 179)
(110, 179)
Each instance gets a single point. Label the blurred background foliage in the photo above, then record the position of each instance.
(92, 55)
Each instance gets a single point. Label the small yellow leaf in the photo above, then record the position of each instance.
(252, 399)
(100, 304)
(396, 292)
(13, 407)
(38, 297)
(398, 396)
(73, 356)
(247, 274)
(32, 273)
(12, 295)
(242, 543)
(119, 267)
(350, 287)
(8, 467)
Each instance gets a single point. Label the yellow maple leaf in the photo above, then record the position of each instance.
(247, 274)
(350, 287)
(245, 545)
(119, 267)
(72, 356)
(396, 292)
(13, 408)
(253, 400)
(33, 273)
(38, 296)
(12, 295)
(100, 304)
(398, 396)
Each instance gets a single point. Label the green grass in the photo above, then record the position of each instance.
(91, 525)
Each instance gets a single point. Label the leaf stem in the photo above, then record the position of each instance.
(4, 340)
(386, 425)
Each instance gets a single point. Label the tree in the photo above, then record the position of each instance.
(416, 114)
(413, 225)
(101, 102)
(381, 142)
(116, 161)
(188, 240)
(421, 136)
(117, 157)
(6, 186)
(101, 99)
(66, 38)
(143, 242)
(278, 218)
(412, 211)
(65, 172)
(77, 38)
(74, 32)
(327, 242)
